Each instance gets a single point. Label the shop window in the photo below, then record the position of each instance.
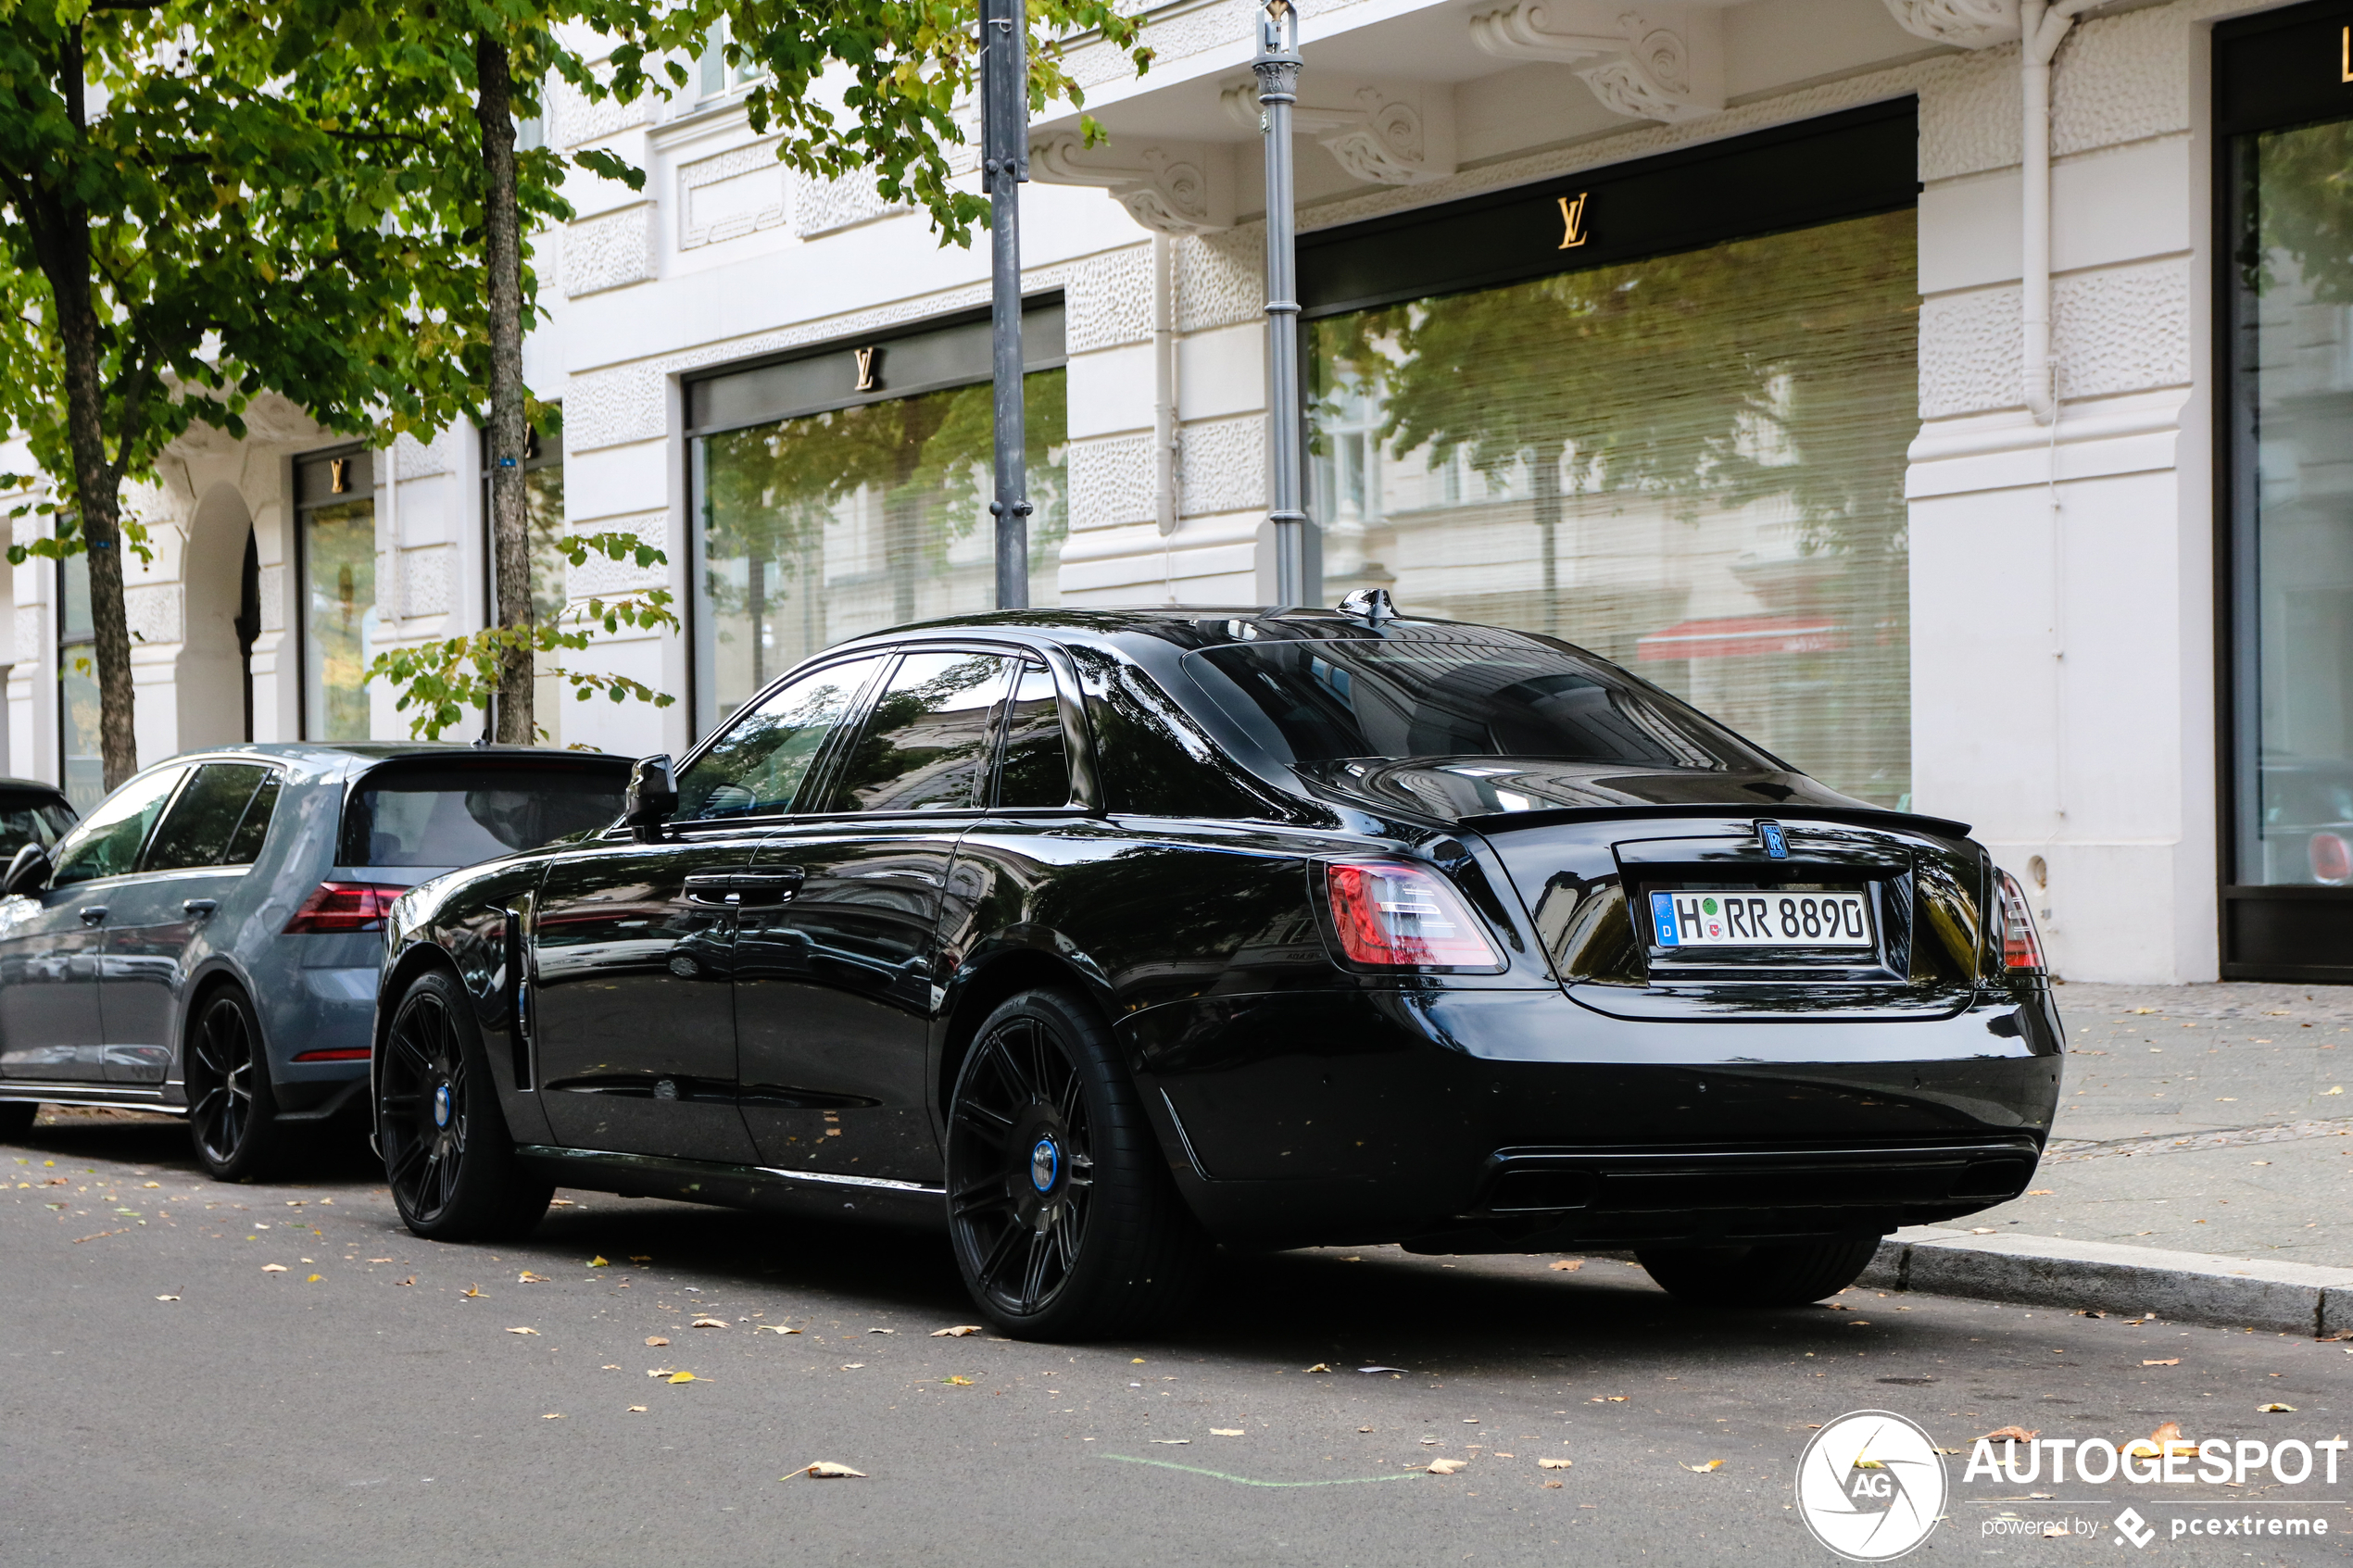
(861, 509)
(2285, 103)
(335, 525)
(84, 774)
(1691, 464)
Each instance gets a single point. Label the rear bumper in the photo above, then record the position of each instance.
(1494, 1119)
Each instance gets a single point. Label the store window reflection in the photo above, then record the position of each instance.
(2293, 478)
(335, 512)
(835, 524)
(1693, 465)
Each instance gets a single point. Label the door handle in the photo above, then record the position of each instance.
(739, 887)
(200, 908)
(93, 914)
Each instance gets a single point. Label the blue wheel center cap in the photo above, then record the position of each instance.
(441, 1106)
(1045, 1164)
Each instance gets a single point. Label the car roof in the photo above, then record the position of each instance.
(393, 751)
(31, 786)
(1200, 626)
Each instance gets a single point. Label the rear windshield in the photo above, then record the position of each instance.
(1329, 701)
(32, 819)
(455, 816)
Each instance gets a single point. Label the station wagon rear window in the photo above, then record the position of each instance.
(1329, 701)
(456, 816)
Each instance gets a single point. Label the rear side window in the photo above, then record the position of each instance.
(206, 819)
(758, 764)
(456, 815)
(32, 819)
(1036, 770)
(926, 745)
(107, 842)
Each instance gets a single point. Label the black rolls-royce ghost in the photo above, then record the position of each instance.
(1101, 937)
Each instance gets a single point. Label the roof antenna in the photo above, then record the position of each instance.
(1372, 606)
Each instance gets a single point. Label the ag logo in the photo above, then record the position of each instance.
(1870, 1485)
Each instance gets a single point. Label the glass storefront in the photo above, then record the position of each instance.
(84, 773)
(841, 521)
(1691, 464)
(335, 512)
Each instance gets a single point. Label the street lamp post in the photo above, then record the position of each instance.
(1004, 145)
(1277, 64)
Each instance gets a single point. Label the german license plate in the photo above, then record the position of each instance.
(1761, 920)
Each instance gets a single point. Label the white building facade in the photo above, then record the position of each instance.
(1723, 339)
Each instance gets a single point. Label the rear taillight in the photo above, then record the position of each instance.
(2021, 948)
(1398, 915)
(345, 906)
(2332, 857)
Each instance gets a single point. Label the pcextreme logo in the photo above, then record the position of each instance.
(1870, 1485)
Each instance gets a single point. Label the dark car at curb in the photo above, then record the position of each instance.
(205, 943)
(1100, 938)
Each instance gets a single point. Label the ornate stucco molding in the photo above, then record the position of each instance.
(1663, 63)
(1384, 133)
(1968, 24)
(1169, 187)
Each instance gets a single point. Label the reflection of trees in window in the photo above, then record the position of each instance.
(2302, 224)
(915, 469)
(1776, 375)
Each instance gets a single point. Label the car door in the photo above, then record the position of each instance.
(633, 943)
(159, 921)
(53, 942)
(836, 987)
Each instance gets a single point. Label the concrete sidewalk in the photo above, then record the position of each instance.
(2212, 1119)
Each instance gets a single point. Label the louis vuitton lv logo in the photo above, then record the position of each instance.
(1573, 231)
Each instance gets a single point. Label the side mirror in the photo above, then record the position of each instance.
(28, 872)
(653, 795)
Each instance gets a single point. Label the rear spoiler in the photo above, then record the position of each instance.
(1861, 816)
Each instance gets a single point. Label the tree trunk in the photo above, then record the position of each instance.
(65, 255)
(510, 534)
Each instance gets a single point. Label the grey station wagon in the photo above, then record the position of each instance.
(206, 941)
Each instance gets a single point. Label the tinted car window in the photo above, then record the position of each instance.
(107, 842)
(244, 844)
(924, 746)
(758, 766)
(1036, 770)
(27, 818)
(453, 816)
(197, 829)
(1325, 701)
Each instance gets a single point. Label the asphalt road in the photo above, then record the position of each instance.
(168, 1397)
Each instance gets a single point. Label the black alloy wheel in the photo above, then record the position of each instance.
(447, 1156)
(1787, 1276)
(1064, 1221)
(232, 1113)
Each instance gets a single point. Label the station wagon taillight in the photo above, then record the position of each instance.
(2022, 948)
(338, 906)
(1397, 915)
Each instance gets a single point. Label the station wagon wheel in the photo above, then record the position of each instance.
(232, 1113)
(1064, 1221)
(447, 1156)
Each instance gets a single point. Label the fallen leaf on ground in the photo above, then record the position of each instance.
(956, 1333)
(412, 1279)
(1445, 1466)
(2173, 1361)
(681, 1378)
(851, 1366)
(826, 1470)
(1227, 1431)
(1172, 1441)
(2276, 1409)
(379, 1260)
(1381, 1369)
(2089, 1312)
(470, 1290)
(609, 1366)
(1552, 1486)
(1429, 1442)
(1319, 1367)
(882, 1331)
(1552, 1464)
(959, 1381)
(637, 1410)
(2157, 1444)
(1363, 1429)
(528, 1278)
(273, 1268)
(710, 1322)
(2010, 1434)
(523, 1331)
(1617, 1399)
(166, 1299)
(1703, 1469)
(768, 1328)
(600, 1261)
(1568, 1265)
(553, 1416)
(314, 1279)
(656, 1340)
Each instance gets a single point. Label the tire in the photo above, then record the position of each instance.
(1789, 1275)
(232, 1114)
(448, 1157)
(1064, 1221)
(16, 1117)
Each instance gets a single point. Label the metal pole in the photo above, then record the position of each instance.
(1277, 64)
(1004, 143)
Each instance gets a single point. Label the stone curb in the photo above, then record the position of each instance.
(2176, 1287)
